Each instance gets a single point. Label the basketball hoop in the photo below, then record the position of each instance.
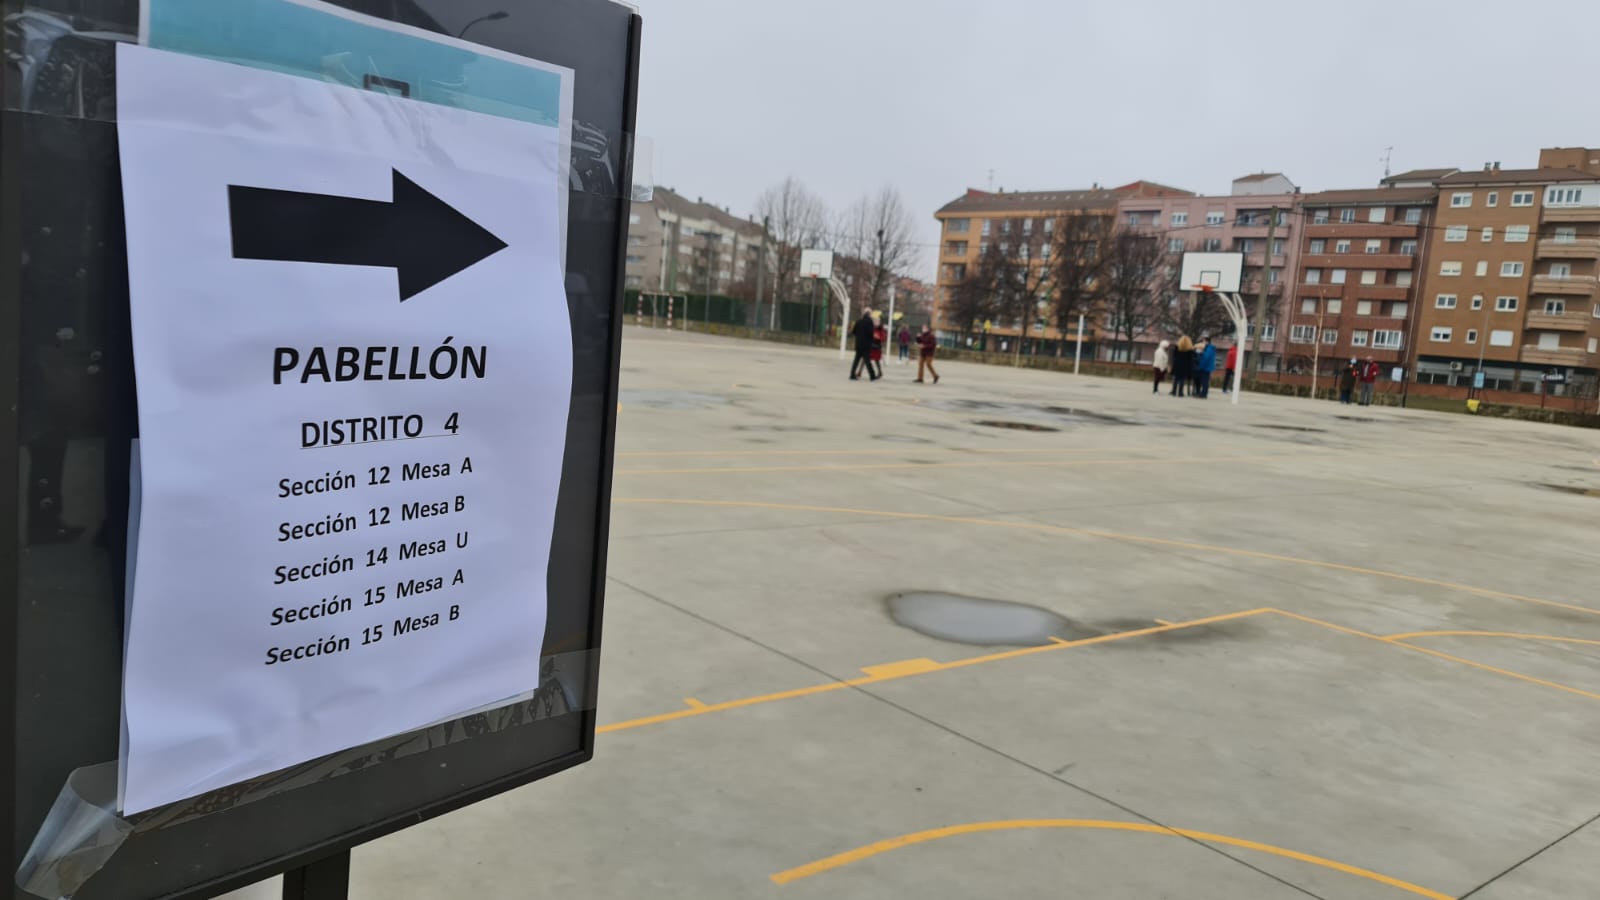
(1203, 288)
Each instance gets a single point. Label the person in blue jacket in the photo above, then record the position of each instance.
(1205, 362)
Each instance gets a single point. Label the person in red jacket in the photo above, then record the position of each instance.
(928, 344)
(1231, 364)
(1369, 380)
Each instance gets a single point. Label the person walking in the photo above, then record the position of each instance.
(880, 337)
(1204, 365)
(1230, 363)
(927, 345)
(1162, 363)
(905, 345)
(1182, 365)
(1347, 382)
(1369, 380)
(862, 331)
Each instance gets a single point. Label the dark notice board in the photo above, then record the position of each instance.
(67, 414)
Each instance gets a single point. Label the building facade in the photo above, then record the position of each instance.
(969, 224)
(1239, 221)
(677, 245)
(1511, 287)
(1360, 275)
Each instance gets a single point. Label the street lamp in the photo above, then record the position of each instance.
(495, 16)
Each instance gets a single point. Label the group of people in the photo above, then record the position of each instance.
(1362, 373)
(870, 337)
(1190, 365)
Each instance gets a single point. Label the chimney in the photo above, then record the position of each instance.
(1497, 165)
(1486, 167)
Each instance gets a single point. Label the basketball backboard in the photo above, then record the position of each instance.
(816, 264)
(1219, 271)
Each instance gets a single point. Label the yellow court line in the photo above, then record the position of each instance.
(935, 834)
(1395, 642)
(1113, 536)
(1492, 634)
(1052, 463)
(692, 703)
(895, 672)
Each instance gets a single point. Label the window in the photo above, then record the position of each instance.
(1335, 307)
(1044, 252)
(1341, 247)
(1477, 301)
(1402, 279)
(1269, 332)
(1511, 270)
(1519, 198)
(1408, 248)
(1592, 343)
(1320, 217)
(1336, 277)
(1027, 226)
(1561, 270)
(1308, 306)
(1247, 246)
(1413, 216)
(1597, 310)
(983, 248)
(1363, 307)
(1214, 217)
(1455, 234)
(955, 248)
(1482, 268)
(1180, 217)
(1175, 245)
(1444, 301)
(1505, 304)
(1245, 219)
(635, 240)
(1347, 215)
(1461, 199)
(1449, 269)
(1499, 338)
(633, 219)
(1005, 247)
(1272, 275)
(1472, 335)
(1377, 213)
(957, 226)
(987, 224)
(1399, 310)
(1134, 218)
(1550, 341)
(1386, 340)
(633, 260)
(1313, 276)
(633, 281)
(1441, 335)
(1212, 245)
(1375, 245)
(1555, 307)
(1302, 334)
(1005, 226)
(1562, 196)
(1370, 276)
(1319, 246)
(1488, 234)
(1566, 235)
(1049, 225)
(1277, 246)
(1359, 338)
(1516, 234)
(1492, 199)
(1330, 335)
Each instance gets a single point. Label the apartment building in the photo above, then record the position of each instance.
(1236, 222)
(679, 245)
(1360, 271)
(969, 223)
(1511, 285)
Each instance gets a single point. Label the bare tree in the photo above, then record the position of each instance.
(1181, 311)
(1079, 260)
(1021, 278)
(797, 220)
(971, 301)
(1131, 284)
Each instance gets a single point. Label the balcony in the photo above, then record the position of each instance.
(1579, 248)
(1335, 229)
(1572, 214)
(1254, 260)
(1358, 261)
(1564, 356)
(1575, 285)
(1558, 321)
(1382, 292)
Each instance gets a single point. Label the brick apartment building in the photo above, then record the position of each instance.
(970, 222)
(1512, 276)
(1360, 273)
(678, 245)
(1236, 222)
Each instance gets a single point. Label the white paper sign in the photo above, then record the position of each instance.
(354, 367)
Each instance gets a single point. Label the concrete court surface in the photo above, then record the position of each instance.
(1299, 650)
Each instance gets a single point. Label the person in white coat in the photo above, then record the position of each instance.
(1162, 365)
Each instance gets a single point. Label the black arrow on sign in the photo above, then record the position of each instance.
(424, 239)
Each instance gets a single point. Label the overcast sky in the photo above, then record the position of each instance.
(929, 95)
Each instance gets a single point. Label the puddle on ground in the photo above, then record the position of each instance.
(780, 428)
(671, 400)
(1306, 428)
(1355, 418)
(971, 620)
(1580, 490)
(1014, 426)
(1084, 415)
(901, 439)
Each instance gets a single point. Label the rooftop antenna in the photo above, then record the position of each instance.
(991, 180)
(1387, 153)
